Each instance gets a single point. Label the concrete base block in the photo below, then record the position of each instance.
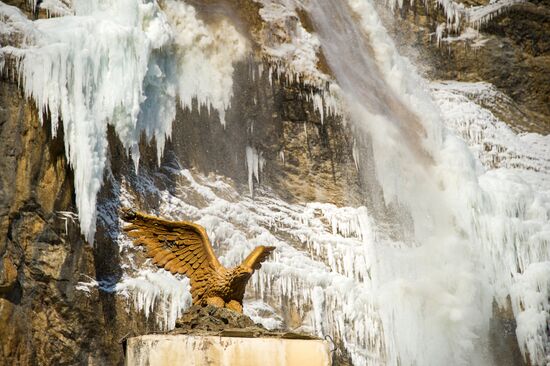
(190, 350)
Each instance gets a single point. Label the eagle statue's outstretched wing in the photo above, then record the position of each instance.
(177, 246)
(258, 255)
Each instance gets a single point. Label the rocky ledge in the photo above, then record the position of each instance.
(213, 321)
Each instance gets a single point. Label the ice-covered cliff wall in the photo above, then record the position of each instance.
(403, 272)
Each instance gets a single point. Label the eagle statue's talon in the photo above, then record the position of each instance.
(215, 301)
(235, 306)
(183, 247)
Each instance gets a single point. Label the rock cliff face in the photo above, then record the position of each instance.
(46, 318)
(306, 159)
(42, 258)
(511, 51)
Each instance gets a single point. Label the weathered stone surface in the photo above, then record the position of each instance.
(235, 333)
(8, 275)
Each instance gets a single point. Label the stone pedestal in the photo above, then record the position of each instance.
(194, 350)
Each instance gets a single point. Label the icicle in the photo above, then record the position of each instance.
(282, 156)
(255, 164)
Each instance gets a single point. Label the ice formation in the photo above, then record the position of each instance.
(287, 42)
(205, 57)
(56, 7)
(238, 223)
(479, 15)
(158, 294)
(494, 142)
(263, 314)
(457, 209)
(512, 217)
(122, 63)
(295, 53)
(336, 260)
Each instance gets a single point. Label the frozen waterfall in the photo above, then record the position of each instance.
(476, 193)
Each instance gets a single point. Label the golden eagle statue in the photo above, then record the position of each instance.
(183, 247)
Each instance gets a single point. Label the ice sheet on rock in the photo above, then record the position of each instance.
(511, 215)
(462, 22)
(262, 313)
(470, 35)
(479, 15)
(346, 221)
(154, 292)
(158, 294)
(530, 300)
(205, 55)
(288, 41)
(494, 142)
(295, 51)
(57, 7)
(453, 10)
(14, 26)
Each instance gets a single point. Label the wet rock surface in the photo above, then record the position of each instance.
(306, 158)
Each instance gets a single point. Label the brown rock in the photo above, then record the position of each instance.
(8, 275)
(212, 318)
